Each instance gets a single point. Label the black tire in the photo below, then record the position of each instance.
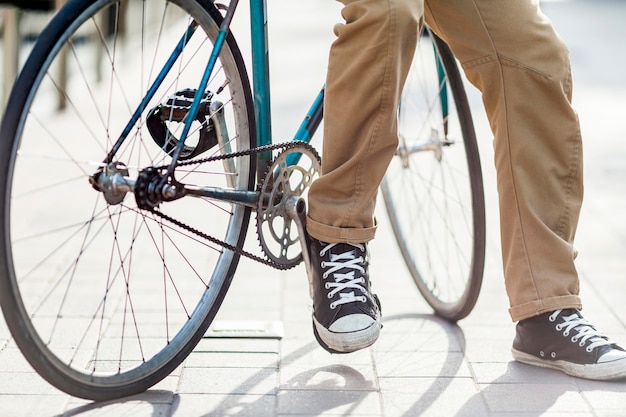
(433, 190)
(104, 299)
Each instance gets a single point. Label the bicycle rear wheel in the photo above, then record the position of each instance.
(433, 188)
(104, 298)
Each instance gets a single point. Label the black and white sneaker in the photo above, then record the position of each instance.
(564, 340)
(346, 316)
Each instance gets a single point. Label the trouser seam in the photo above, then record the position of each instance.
(508, 141)
(574, 166)
(380, 114)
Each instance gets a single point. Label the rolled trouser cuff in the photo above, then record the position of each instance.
(333, 234)
(534, 308)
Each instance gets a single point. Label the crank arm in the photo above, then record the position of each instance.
(296, 210)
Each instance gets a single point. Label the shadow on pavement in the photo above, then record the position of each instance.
(316, 390)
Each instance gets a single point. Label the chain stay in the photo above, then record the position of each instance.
(248, 152)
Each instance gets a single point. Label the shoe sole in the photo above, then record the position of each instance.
(615, 370)
(346, 342)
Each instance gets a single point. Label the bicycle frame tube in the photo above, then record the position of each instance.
(219, 41)
(261, 80)
(309, 125)
(262, 103)
(261, 89)
(443, 90)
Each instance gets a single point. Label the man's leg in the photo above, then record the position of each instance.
(510, 51)
(367, 67)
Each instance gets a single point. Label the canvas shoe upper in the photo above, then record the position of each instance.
(346, 316)
(564, 340)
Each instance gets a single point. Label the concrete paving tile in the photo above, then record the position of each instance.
(261, 312)
(238, 345)
(300, 328)
(228, 381)
(394, 303)
(12, 360)
(489, 314)
(312, 354)
(337, 402)
(330, 377)
(537, 398)
(431, 397)
(324, 414)
(28, 383)
(604, 395)
(504, 330)
(608, 413)
(494, 349)
(222, 405)
(421, 364)
(157, 394)
(167, 384)
(297, 305)
(232, 360)
(429, 338)
(130, 408)
(26, 405)
(265, 300)
(155, 399)
(516, 373)
(546, 414)
(416, 323)
(4, 330)
(401, 300)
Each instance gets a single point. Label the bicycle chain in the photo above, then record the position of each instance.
(248, 152)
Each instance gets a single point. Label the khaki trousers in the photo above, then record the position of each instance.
(510, 52)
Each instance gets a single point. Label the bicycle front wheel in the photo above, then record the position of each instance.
(433, 189)
(105, 298)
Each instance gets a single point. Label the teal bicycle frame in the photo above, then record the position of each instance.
(261, 91)
(261, 87)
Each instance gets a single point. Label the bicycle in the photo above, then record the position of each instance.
(106, 294)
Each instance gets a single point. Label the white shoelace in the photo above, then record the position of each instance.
(346, 280)
(584, 329)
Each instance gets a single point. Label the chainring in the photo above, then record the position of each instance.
(290, 175)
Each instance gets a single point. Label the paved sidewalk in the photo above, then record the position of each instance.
(421, 366)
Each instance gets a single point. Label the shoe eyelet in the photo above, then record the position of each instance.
(330, 297)
(333, 306)
(324, 275)
(558, 327)
(575, 339)
(552, 319)
(553, 355)
(542, 354)
(581, 344)
(566, 333)
(589, 350)
(327, 286)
